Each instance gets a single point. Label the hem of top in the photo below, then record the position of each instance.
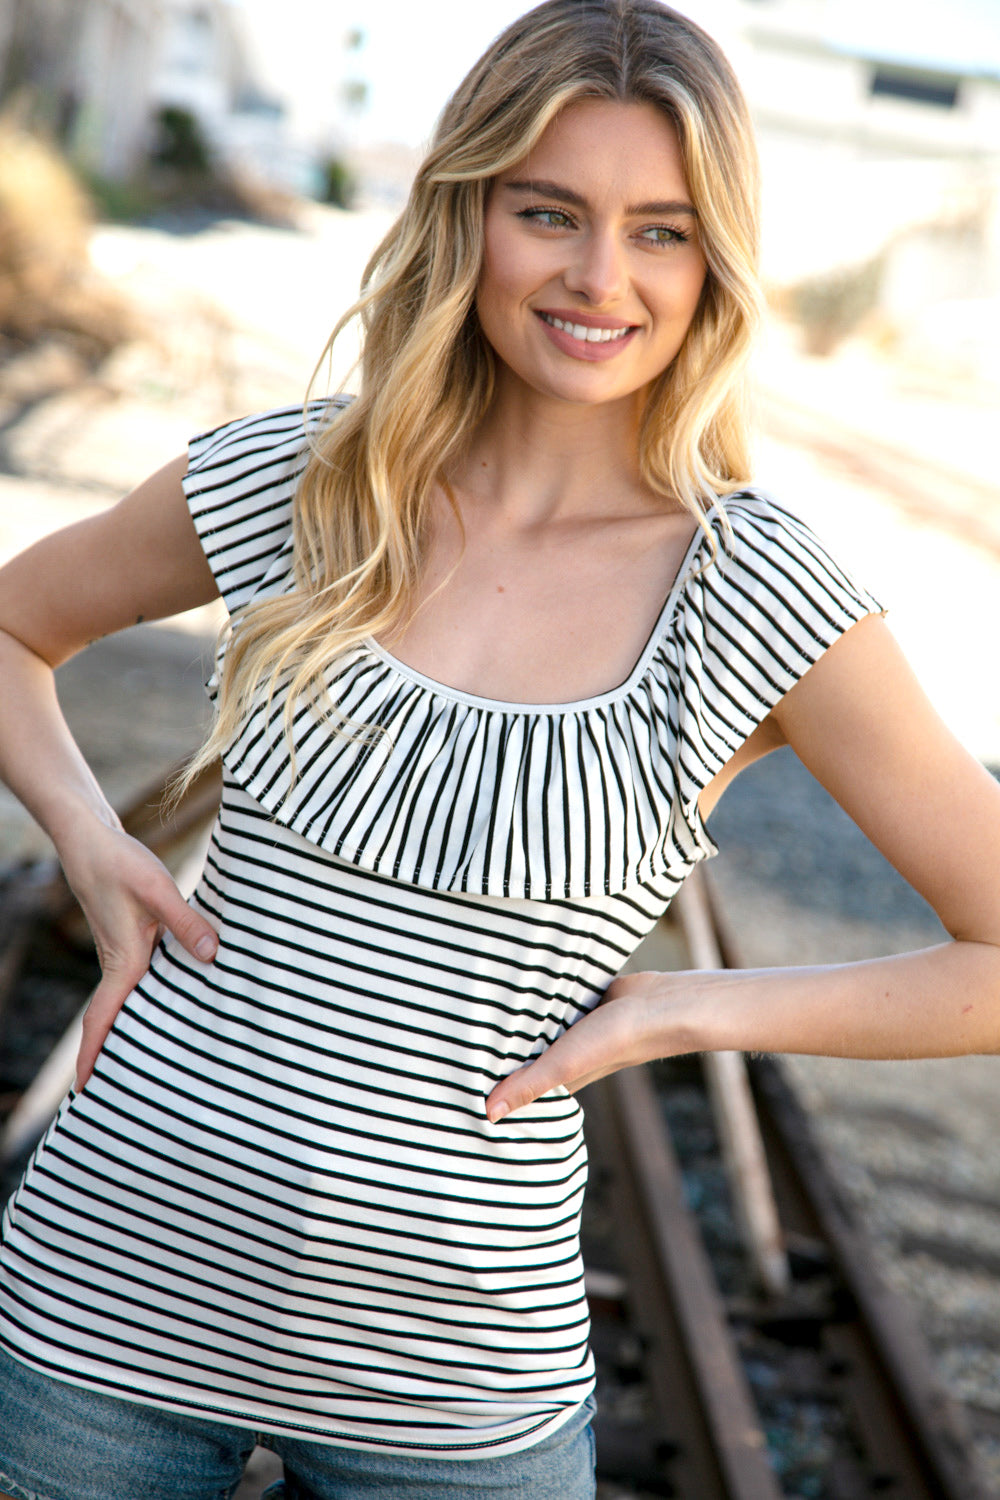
(445, 883)
(257, 1424)
(699, 828)
(697, 822)
(577, 705)
(360, 860)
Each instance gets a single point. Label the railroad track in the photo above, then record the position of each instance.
(824, 1389)
(746, 1348)
(716, 1394)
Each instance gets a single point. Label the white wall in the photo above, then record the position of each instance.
(118, 46)
(92, 59)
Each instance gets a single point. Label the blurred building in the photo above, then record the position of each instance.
(880, 132)
(97, 72)
(202, 64)
(206, 68)
(87, 67)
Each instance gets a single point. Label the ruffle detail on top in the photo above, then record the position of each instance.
(458, 793)
(459, 797)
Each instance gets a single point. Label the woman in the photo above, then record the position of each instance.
(504, 627)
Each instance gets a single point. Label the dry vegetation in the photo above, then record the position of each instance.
(47, 285)
(832, 306)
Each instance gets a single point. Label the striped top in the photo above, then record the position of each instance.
(279, 1200)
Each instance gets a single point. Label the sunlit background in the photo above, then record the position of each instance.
(879, 124)
(189, 190)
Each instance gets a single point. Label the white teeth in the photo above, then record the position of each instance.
(585, 333)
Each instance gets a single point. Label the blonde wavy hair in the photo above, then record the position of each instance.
(427, 372)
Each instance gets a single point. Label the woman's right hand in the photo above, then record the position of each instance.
(129, 900)
(139, 560)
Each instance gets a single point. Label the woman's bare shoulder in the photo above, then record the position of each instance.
(139, 560)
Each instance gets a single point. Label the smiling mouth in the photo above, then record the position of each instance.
(584, 333)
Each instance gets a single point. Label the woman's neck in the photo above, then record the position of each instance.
(544, 459)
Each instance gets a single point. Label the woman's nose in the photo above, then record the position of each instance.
(597, 270)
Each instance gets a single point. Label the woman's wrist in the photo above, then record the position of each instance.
(714, 1010)
(73, 818)
(679, 1011)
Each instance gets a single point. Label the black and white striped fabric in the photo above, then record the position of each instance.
(279, 1200)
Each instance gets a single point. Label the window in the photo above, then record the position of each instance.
(917, 85)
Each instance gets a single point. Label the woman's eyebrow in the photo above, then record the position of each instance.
(577, 200)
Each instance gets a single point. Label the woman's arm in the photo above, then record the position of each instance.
(861, 723)
(140, 560)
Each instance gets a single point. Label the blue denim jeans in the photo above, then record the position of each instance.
(61, 1442)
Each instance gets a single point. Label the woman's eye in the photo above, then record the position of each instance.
(549, 218)
(663, 234)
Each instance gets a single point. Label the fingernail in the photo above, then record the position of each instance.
(205, 948)
(497, 1112)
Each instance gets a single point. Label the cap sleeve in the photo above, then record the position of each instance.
(240, 487)
(756, 620)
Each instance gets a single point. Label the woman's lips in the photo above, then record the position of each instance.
(593, 339)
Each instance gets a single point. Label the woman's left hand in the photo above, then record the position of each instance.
(617, 1034)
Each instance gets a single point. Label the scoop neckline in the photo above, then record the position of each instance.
(579, 705)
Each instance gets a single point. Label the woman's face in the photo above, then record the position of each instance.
(592, 268)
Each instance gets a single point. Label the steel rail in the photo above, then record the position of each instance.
(914, 1434)
(709, 1436)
